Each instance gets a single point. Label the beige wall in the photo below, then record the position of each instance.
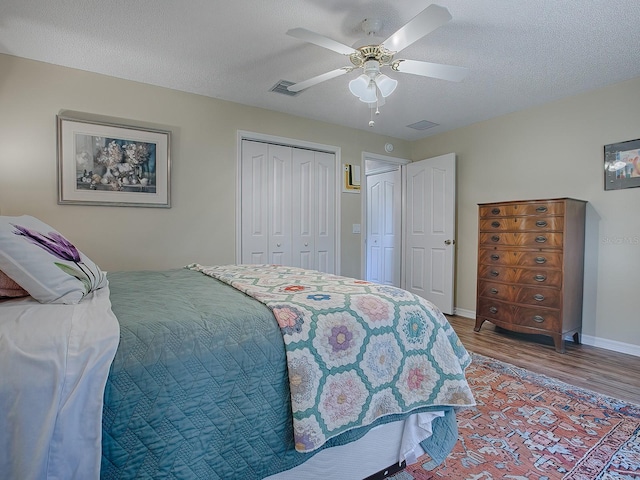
(200, 226)
(550, 151)
(557, 151)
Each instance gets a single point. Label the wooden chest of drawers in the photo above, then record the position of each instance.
(531, 267)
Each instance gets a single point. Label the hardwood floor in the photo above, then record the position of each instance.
(604, 371)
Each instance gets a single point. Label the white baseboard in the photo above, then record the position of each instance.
(612, 345)
(464, 313)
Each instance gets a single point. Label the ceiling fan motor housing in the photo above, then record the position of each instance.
(371, 52)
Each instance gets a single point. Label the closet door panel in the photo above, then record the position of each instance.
(279, 204)
(325, 221)
(254, 195)
(303, 209)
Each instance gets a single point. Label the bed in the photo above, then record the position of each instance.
(188, 373)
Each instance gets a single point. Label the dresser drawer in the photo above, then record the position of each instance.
(493, 309)
(517, 224)
(510, 210)
(520, 258)
(541, 318)
(538, 296)
(522, 276)
(529, 239)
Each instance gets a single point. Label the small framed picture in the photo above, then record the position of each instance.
(116, 165)
(351, 178)
(622, 165)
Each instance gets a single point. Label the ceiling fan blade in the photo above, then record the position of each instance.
(318, 79)
(425, 22)
(320, 40)
(434, 70)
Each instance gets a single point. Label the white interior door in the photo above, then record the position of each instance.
(384, 200)
(429, 230)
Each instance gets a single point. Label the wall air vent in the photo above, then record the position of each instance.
(281, 87)
(423, 125)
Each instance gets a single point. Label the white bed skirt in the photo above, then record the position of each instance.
(380, 448)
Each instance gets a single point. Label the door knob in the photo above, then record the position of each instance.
(449, 242)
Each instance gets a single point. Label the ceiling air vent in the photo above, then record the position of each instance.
(422, 125)
(281, 87)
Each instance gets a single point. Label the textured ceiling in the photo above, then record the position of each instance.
(520, 53)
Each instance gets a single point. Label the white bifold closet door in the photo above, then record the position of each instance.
(288, 206)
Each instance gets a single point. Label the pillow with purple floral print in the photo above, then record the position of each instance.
(45, 263)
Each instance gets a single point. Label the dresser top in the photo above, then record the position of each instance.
(535, 201)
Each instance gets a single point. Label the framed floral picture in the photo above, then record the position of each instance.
(108, 164)
(622, 165)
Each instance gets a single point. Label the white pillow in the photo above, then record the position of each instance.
(45, 263)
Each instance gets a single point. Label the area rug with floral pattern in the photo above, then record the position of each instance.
(528, 426)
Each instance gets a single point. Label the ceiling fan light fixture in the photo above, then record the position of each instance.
(386, 84)
(370, 94)
(364, 88)
(358, 86)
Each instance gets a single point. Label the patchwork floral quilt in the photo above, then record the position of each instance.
(356, 351)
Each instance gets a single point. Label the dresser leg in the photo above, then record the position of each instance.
(576, 338)
(558, 341)
(479, 322)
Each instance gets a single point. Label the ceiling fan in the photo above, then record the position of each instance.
(372, 86)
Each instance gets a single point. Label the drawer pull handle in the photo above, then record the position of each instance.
(541, 223)
(541, 239)
(495, 238)
(494, 273)
(541, 209)
(495, 256)
(495, 224)
(494, 291)
(541, 260)
(538, 297)
(540, 278)
(538, 319)
(493, 310)
(495, 211)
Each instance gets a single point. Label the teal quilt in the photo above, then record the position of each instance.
(199, 386)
